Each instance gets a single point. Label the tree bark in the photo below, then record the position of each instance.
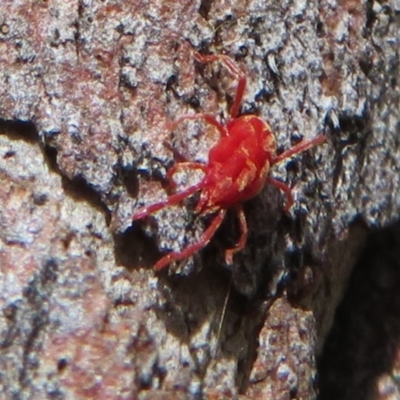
(88, 90)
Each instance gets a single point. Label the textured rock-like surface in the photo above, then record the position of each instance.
(55, 323)
(84, 316)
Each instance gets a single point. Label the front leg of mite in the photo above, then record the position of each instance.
(285, 189)
(183, 165)
(194, 248)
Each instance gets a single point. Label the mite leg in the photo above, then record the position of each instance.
(285, 189)
(178, 157)
(231, 66)
(171, 200)
(187, 164)
(243, 236)
(190, 250)
(175, 198)
(299, 148)
(207, 117)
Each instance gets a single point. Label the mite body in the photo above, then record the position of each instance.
(238, 167)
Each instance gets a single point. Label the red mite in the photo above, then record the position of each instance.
(238, 167)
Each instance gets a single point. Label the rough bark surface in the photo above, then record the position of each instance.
(87, 91)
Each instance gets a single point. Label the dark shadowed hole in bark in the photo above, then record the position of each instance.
(365, 337)
(77, 188)
(80, 190)
(133, 248)
(205, 7)
(131, 182)
(19, 130)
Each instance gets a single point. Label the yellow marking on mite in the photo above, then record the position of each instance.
(245, 150)
(265, 170)
(223, 185)
(266, 127)
(247, 176)
(269, 143)
(249, 127)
